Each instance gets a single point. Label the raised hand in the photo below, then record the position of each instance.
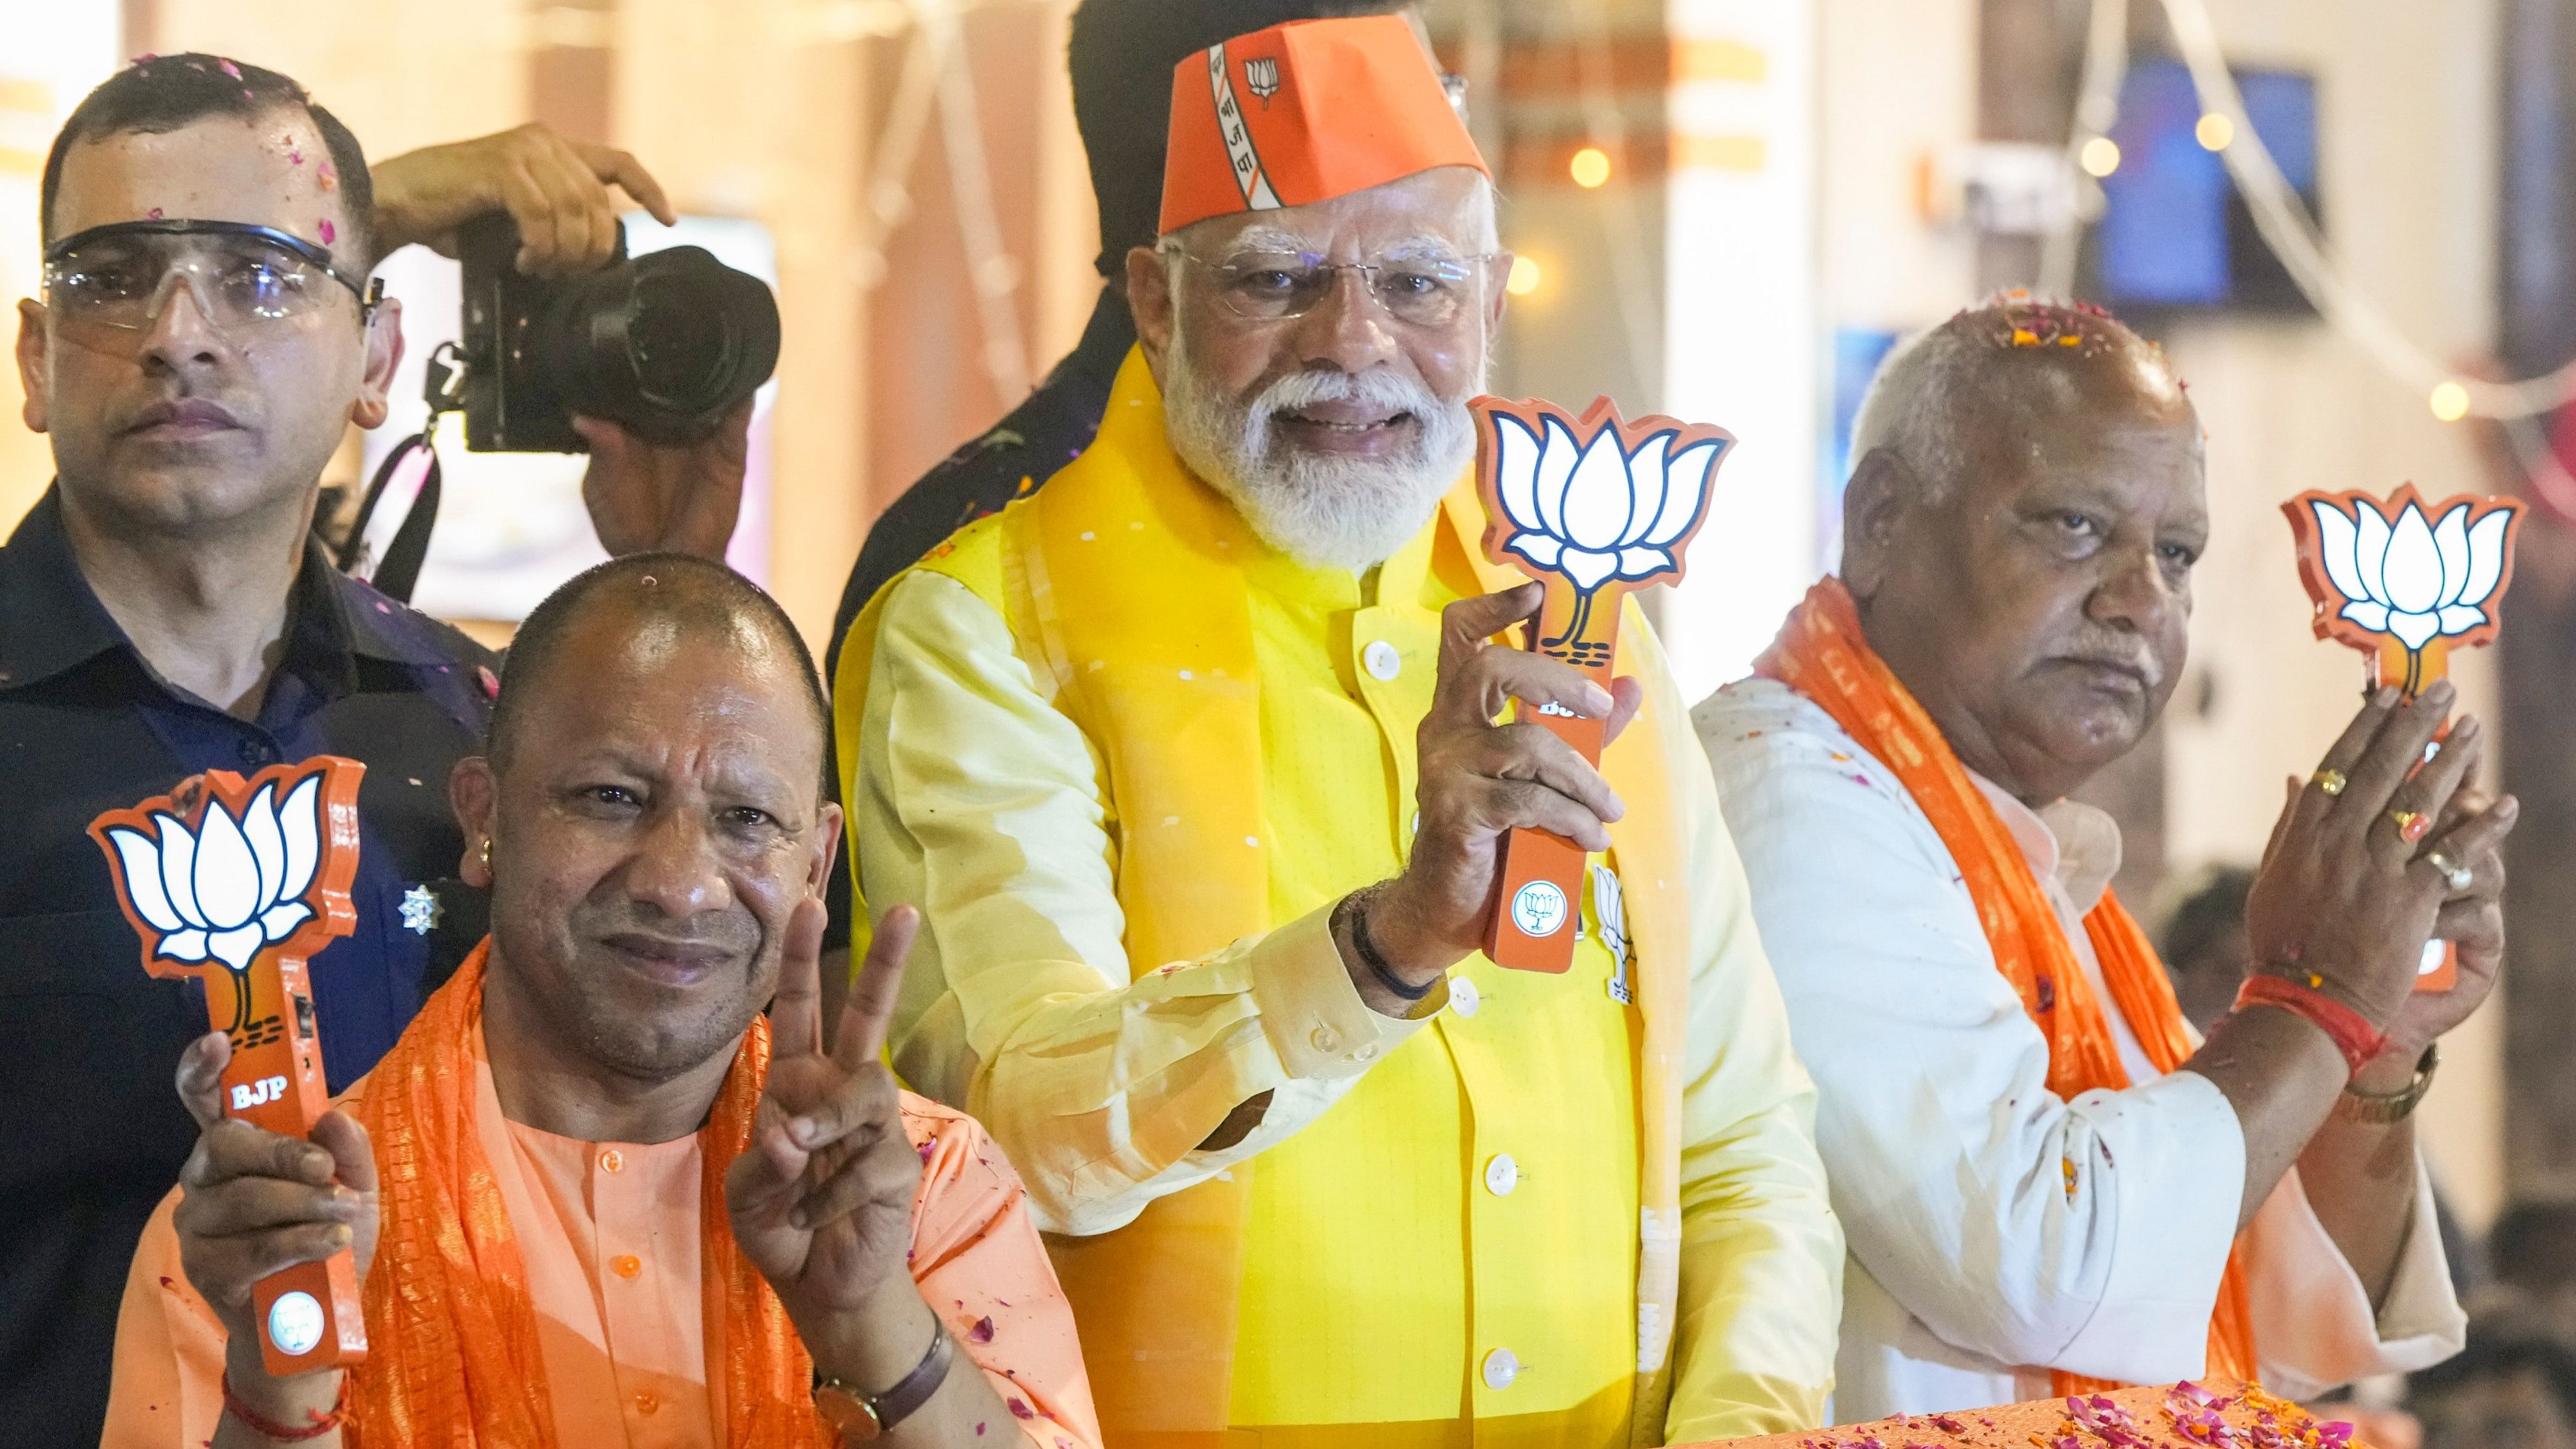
(1480, 780)
(821, 1200)
(2345, 894)
(555, 189)
(666, 497)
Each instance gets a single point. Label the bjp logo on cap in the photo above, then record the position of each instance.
(1261, 77)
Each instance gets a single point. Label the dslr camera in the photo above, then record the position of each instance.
(664, 344)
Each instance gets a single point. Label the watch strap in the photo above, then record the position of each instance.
(896, 1404)
(2382, 1109)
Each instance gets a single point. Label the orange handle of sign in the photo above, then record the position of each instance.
(1538, 892)
(2387, 668)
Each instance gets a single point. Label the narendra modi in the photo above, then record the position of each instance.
(1190, 762)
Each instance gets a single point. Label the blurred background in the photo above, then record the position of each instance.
(1724, 209)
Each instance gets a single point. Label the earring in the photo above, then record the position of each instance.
(487, 852)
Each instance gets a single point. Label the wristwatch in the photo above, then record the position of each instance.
(2381, 1109)
(856, 1416)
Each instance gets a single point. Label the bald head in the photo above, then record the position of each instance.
(2019, 534)
(671, 595)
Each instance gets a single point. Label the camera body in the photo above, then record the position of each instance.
(665, 344)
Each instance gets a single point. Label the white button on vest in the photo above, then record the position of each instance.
(1325, 1038)
(1381, 661)
(1464, 998)
(1501, 1367)
(1502, 1174)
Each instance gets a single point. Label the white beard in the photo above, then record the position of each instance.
(1350, 513)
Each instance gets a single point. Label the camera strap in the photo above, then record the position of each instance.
(398, 571)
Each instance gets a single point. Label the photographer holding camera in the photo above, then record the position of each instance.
(207, 336)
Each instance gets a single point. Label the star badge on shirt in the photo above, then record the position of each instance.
(420, 910)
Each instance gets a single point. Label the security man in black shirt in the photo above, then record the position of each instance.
(206, 338)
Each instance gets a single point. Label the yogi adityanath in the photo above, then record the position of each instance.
(1190, 761)
(595, 1196)
(2048, 1178)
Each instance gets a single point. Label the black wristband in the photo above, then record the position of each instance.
(856, 1417)
(1355, 912)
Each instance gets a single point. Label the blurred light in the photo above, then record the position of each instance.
(1591, 167)
(2100, 156)
(2215, 132)
(1525, 277)
(2450, 401)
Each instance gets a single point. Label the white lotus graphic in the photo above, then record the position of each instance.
(232, 887)
(2414, 580)
(1594, 511)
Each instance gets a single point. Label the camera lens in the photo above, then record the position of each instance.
(664, 345)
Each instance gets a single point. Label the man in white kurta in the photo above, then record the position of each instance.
(1998, 1232)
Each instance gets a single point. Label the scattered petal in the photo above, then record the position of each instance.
(1020, 1410)
(982, 1332)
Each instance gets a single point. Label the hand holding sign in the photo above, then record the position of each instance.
(238, 882)
(2406, 584)
(1591, 507)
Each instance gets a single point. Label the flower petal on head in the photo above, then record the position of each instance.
(1648, 478)
(1516, 451)
(1686, 495)
(179, 868)
(1586, 568)
(226, 877)
(187, 945)
(2451, 541)
(1538, 548)
(236, 947)
(2339, 545)
(2486, 556)
(142, 866)
(2411, 580)
(1596, 497)
(1558, 452)
(2413, 630)
(2369, 614)
(2370, 550)
(300, 821)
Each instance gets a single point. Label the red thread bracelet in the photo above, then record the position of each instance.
(2353, 1035)
(322, 1423)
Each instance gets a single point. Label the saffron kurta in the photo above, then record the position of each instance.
(610, 1237)
(1434, 1234)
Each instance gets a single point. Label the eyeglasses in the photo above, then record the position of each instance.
(1276, 286)
(242, 276)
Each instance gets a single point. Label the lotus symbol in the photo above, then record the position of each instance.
(1593, 500)
(233, 886)
(1261, 77)
(2416, 581)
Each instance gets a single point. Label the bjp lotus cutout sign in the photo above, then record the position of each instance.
(2406, 584)
(1592, 507)
(238, 882)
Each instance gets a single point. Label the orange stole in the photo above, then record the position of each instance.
(454, 1357)
(1821, 654)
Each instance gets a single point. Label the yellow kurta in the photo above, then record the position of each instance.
(1422, 1209)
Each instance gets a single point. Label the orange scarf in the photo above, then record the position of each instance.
(1821, 653)
(452, 1338)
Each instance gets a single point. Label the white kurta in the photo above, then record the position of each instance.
(1997, 1231)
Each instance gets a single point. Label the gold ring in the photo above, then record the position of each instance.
(2411, 824)
(2330, 780)
(2459, 877)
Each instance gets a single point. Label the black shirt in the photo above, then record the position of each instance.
(92, 1134)
(1046, 431)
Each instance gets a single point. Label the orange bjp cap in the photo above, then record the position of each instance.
(1303, 112)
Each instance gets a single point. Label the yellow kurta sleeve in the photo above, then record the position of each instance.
(975, 800)
(1762, 1253)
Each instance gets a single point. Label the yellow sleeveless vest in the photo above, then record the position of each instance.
(1120, 586)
